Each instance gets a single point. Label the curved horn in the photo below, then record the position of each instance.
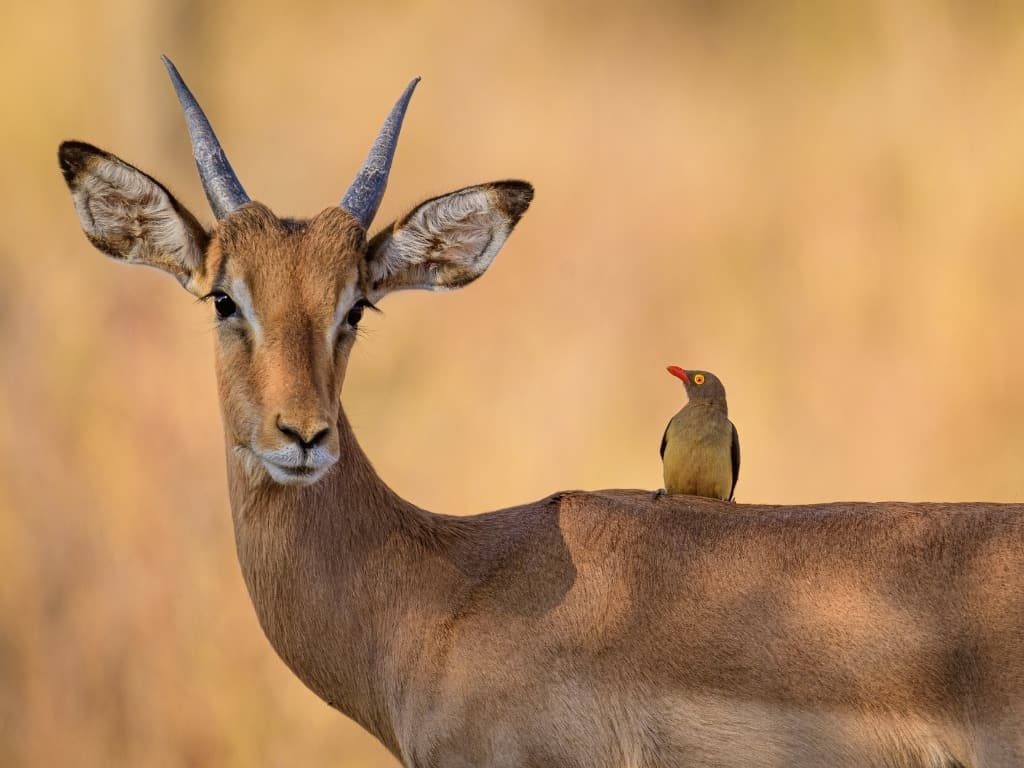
(364, 196)
(223, 189)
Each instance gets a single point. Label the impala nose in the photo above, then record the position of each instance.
(306, 436)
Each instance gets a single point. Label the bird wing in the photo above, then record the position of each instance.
(664, 440)
(735, 459)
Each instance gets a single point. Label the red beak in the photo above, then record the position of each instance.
(678, 372)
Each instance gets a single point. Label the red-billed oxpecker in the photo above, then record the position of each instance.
(700, 449)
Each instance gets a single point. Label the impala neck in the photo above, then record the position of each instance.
(333, 569)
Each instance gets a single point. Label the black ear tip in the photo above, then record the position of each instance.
(516, 197)
(70, 157)
(73, 155)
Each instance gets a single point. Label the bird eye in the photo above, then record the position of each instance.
(698, 379)
(224, 305)
(356, 313)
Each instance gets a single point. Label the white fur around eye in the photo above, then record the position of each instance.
(345, 302)
(239, 292)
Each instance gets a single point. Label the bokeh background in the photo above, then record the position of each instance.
(823, 202)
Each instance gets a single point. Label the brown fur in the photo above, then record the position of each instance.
(587, 629)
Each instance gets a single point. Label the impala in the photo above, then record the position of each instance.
(611, 628)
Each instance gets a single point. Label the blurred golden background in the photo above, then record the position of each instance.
(822, 202)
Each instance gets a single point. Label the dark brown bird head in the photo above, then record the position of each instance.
(700, 385)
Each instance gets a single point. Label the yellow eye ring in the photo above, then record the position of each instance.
(698, 379)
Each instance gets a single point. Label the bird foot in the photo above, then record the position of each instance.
(658, 494)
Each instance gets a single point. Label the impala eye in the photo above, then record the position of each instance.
(224, 305)
(356, 313)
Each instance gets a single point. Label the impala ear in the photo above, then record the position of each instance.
(131, 216)
(448, 241)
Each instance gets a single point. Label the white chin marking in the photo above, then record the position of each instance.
(295, 476)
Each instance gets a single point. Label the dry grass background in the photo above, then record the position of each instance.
(823, 202)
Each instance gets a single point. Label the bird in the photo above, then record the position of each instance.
(700, 450)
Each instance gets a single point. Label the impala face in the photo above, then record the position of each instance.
(288, 298)
(287, 295)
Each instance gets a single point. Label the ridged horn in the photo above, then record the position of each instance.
(223, 189)
(363, 198)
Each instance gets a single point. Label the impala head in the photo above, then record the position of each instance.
(287, 295)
